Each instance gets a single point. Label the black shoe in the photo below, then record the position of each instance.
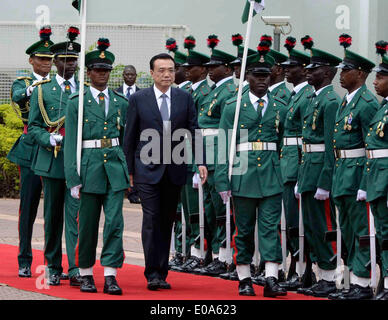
(281, 276)
(64, 276)
(153, 284)
(339, 292)
(25, 272)
(191, 264)
(87, 284)
(111, 286)
(75, 281)
(245, 287)
(214, 269)
(259, 279)
(322, 289)
(272, 288)
(357, 293)
(53, 280)
(177, 260)
(292, 284)
(164, 284)
(232, 272)
(383, 295)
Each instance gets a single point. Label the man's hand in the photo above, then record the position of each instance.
(361, 195)
(225, 195)
(296, 193)
(55, 139)
(31, 88)
(322, 194)
(195, 180)
(75, 191)
(203, 173)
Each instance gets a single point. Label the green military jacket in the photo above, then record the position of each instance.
(290, 155)
(209, 117)
(22, 151)
(244, 89)
(282, 92)
(351, 128)
(98, 165)
(257, 173)
(187, 86)
(377, 169)
(316, 169)
(47, 113)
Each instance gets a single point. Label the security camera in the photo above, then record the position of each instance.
(276, 20)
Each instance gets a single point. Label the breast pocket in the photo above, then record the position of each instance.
(89, 128)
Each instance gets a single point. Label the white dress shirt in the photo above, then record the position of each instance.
(320, 90)
(197, 84)
(274, 86)
(223, 81)
(61, 82)
(182, 84)
(131, 88)
(255, 102)
(349, 97)
(300, 86)
(159, 100)
(95, 94)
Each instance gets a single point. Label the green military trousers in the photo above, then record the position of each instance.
(59, 206)
(112, 254)
(318, 218)
(380, 213)
(291, 210)
(353, 219)
(269, 212)
(30, 191)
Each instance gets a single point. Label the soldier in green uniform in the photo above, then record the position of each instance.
(349, 182)
(277, 86)
(104, 177)
(46, 124)
(200, 89)
(376, 144)
(256, 184)
(316, 169)
(290, 154)
(23, 149)
(221, 73)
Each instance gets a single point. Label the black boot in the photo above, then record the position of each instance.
(272, 288)
(245, 287)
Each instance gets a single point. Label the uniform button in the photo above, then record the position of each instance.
(259, 158)
(259, 165)
(105, 122)
(337, 124)
(105, 155)
(334, 141)
(302, 161)
(258, 140)
(305, 121)
(304, 127)
(336, 165)
(259, 131)
(281, 156)
(260, 125)
(366, 144)
(242, 126)
(201, 109)
(335, 130)
(368, 134)
(105, 128)
(367, 169)
(105, 161)
(86, 120)
(200, 114)
(334, 147)
(370, 129)
(104, 137)
(367, 163)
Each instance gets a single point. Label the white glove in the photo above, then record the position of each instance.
(322, 194)
(55, 139)
(361, 195)
(31, 88)
(196, 180)
(296, 193)
(75, 191)
(225, 195)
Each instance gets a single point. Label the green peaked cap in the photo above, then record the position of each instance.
(321, 58)
(219, 57)
(100, 58)
(179, 58)
(383, 66)
(260, 63)
(67, 49)
(41, 48)
(353, 60)
(297, 58)
(240, 53)
(196, 58)
(278, 56)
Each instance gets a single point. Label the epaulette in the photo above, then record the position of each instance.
(279, 100)
(231, 100)
(205, 90)
(120, 95)
(231, 87)
(73, 95)
(367, 96)
(41, 82)
(24, 78)
(87, 84)
(330, 95)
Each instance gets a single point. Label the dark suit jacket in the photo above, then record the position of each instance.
(143, 113)
(120, 90)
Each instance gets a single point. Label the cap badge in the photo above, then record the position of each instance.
(102, 55)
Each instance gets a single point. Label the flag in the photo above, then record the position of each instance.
(77, 4)
(259, 6)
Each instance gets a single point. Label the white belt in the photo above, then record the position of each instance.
(374, 154)
(313, 148)
(209, 132)
(294, 141)
(256, 146)
(352, 153)
(100, 143)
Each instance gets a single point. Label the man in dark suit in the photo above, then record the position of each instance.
(127, 88)
(155, 115)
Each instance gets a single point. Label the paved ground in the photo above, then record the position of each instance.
(9, 235)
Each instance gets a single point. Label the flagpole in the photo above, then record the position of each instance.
(236, 116)
(81, 83)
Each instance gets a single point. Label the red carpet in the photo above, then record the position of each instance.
(132, 281)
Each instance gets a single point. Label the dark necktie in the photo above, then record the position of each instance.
(384, 102)
(213, 86)
(344, 103)
(128, 92)
(260, 107)
(67, 87)
(164, 108)
(293, 93)
(101, 101)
